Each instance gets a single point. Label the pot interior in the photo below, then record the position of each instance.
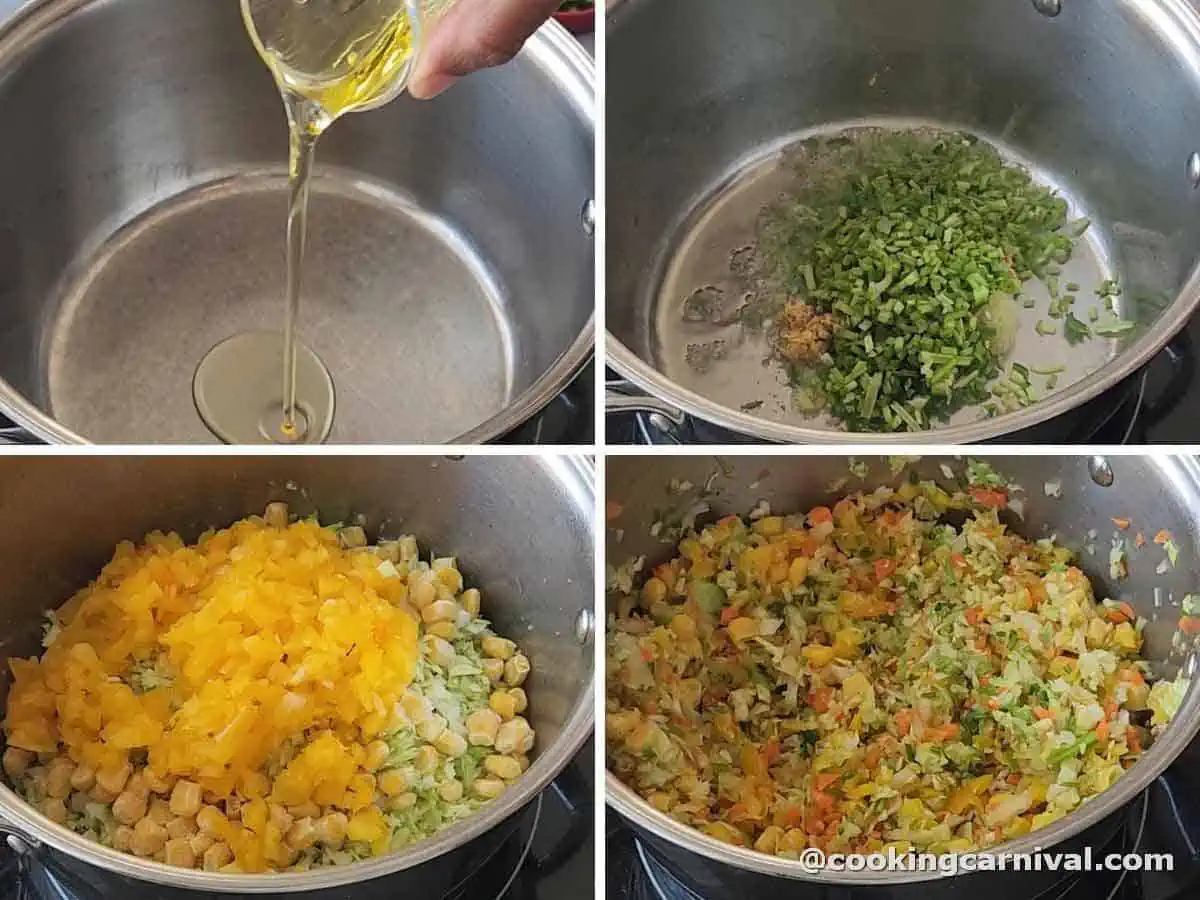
(145, 207)
(1154, 493)
(520, 527)
(1102, 102)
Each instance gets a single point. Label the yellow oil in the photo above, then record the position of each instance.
(329, 58)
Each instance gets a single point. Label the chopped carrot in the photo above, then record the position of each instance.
(819, 514)
(1139, 541)
(819, 699)
(1189, 625)
(647, 654)
(771, 750)
(904, 720)
(1102, 731)
(788, 817)
(1110, 709)
(613, 510)
(823, 780)
(996, 499)
(958, 562)
(884, 568)
(874, 754)
(973, 615)
(993, 704)
(1123, 524)
(1116, 616)
(1132, 675)
(825, 802)
(728, 614)
(947, 732)
(1014, 779)
(1042, 713)
(1162, 537)
(1130, 612)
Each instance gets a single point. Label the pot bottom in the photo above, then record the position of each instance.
(396, 302)
(724, 220)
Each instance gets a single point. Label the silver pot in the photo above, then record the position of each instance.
(1102, 100)
(1153, 492)
(449, 286)
(522, 527)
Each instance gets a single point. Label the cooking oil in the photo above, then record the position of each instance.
(329, 58)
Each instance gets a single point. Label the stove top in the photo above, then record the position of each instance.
(1157, 822)
(549, 855)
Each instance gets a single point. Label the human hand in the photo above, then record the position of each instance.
(473, 35)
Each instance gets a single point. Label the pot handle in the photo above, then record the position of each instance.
(623, 398)
(1180, 356)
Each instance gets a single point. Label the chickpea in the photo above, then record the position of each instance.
(522, 761)
(452, 744)
(185, 798)
(502, 767)
(440, 611)
(331, 829)
(471, 601)
(377, 753)
(78, 802)
(423, 593)
(451, 791)
(432, 728)
(123, 838)
(301, 835)
(392, 782)
(352, 537)
(130, 808)
(482, 726)
(217, 857)
(112, 780)
(181, 828)
(522, 699)
(54, 809)
(199, 843)
(83, 778)
(426, 759)
(516, 670)
(401, 802)
(17, 761)
(503, 703)
(148, 837)
(494, 669)
(180, 853)
(58, 778)
(497, 647)
(489, 788)
(511, 736)
(447, 631)
(137, 785)
(439, 651)
(159, 784)
(276, 515)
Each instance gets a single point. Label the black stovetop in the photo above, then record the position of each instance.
(549, 857)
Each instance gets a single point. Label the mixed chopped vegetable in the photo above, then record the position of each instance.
(280, 695)
(902, 260)
(871, 675)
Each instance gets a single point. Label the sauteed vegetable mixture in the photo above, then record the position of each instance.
(279, 695)
(871, 674)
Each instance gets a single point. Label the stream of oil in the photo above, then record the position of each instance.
(329, 57)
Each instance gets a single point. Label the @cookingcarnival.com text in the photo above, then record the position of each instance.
(815, 861)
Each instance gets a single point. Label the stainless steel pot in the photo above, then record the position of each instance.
(522, 527)
(449, 286)
(1154, 493)
(1102, 100)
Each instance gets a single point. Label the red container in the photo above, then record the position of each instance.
(578, 21)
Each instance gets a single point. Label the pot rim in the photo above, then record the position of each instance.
(1174, 740)
(577, 477)
(575, 72)
(1186, 18)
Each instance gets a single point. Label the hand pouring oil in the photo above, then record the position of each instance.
(329, 57)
